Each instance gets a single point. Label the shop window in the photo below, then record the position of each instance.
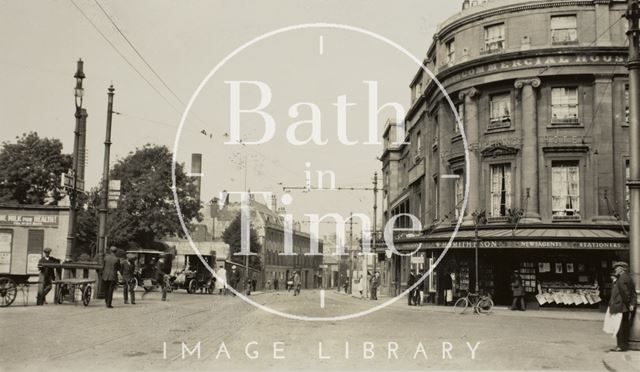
(500, 111)
(626, 104)
(451, 52)
(565, 189)
(564, 105)
(494, 38)
(459, 192)
(564, 30)
(500, 189)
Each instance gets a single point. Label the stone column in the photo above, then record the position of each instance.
(473, 167)
(529, 169)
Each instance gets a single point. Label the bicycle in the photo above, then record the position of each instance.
(481, 303)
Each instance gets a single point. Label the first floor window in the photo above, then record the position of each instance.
(565, 189)
(564, 105)
(627, 196)
(459, 192)
(500, 189)
(500, 111)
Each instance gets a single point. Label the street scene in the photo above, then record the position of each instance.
(306, 185)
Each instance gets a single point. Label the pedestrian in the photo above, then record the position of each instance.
(412, 293)
(623, 300)
(47, 276)
(517, 291)
(221, 282)
(361, 282)
(234, 278)
(448, 289)
(290, 283)
(162, 277)
(254, 284)
(296, 283)
(275, 284)
(129, 277)
(110, 268)
(375, 282)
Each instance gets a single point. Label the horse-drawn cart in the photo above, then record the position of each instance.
(10, 284)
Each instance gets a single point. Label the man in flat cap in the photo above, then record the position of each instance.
(47, 276)
(623, 300)
(110, 269)
(129, 277)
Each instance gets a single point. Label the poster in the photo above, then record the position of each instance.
(32, 263)
(558, 268)
(569, 267)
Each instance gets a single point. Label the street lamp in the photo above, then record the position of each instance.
(78, 93)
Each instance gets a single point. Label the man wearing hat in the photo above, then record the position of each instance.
(517, 290)
(47, 275)
(129, 277)
(234, 278)
(110, 269)
(623, 300)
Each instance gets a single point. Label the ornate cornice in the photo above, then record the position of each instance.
(534, 82)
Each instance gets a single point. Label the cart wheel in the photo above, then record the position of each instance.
(193, 286)
(59, 294)
(8, 291)
(86, 295)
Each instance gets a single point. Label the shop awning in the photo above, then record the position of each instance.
(524, 238)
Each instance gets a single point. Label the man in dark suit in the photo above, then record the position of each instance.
(410, 282)
(129, 277)
(47, 276)
(623, 300)
(234, 278)
(110, 268)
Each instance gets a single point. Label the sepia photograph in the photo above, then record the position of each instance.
(319, 185)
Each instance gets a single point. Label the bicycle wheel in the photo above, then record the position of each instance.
(461, 305)
(484, 306)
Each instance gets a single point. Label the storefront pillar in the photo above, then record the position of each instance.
(529, 169)
(472, 131)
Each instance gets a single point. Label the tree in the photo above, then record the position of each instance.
(232, 236)
(30, 170)
(146, 210)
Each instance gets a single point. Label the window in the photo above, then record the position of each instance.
(627, 196)
(494, 38)
(418, 143)
(451, 52)
(459, 192)
(436, 130)
(500, 190)
(500, 111)
(418, 91)
(564, 30)
(436, 199)
(626, 104)
(565, 190)
(460, 109)
(564, 105)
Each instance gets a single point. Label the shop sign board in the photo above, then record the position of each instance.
(518, 244)
(42, 220)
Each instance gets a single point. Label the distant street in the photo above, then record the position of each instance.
(133, 337)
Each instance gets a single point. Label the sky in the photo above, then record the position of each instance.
(182, 42)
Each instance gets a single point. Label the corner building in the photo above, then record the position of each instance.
(541, 88)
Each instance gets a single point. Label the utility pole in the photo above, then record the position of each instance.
(104, 200)
(351, 253)
(633, 64)
(374, 238)
(73, 192)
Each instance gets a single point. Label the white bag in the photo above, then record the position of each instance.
(449, 295)
(612, 323)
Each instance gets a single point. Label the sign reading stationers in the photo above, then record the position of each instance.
(41, 220)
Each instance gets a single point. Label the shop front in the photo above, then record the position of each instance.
(559, 267)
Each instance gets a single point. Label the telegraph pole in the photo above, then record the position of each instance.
(633, 64)
(104, 200)
(374, 239)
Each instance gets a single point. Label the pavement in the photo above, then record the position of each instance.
(234, 335)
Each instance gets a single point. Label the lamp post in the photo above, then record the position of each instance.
(78, 93)
(104, 200)
(633, 64)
